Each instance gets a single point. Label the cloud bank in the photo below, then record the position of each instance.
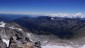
(68, 15)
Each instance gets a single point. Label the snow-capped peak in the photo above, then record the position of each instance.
(2, 24)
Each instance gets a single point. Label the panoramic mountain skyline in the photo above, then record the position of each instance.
(42, 23)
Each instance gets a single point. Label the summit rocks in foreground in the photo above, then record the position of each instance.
(13, 36)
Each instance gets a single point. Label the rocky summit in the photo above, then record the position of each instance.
(13, 35)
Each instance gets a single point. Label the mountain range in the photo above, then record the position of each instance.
(17, 27)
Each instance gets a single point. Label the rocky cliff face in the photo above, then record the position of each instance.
(13, 36)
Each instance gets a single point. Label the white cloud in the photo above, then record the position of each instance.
(78, 15)
(68, 15)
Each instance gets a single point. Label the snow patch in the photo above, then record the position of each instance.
(83, 46)
(45, 41)
(12, 27)
(16, 28)
(6, 41)
(28, 34)
(55, 46)
(52, 18)
(19, 29)
(2, 24)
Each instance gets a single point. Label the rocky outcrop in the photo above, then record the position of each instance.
(14, 36)
(2, 44)
(28, 44)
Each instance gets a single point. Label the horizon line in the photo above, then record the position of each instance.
(71, 15)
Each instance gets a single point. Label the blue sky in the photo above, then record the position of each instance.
(42, 6)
